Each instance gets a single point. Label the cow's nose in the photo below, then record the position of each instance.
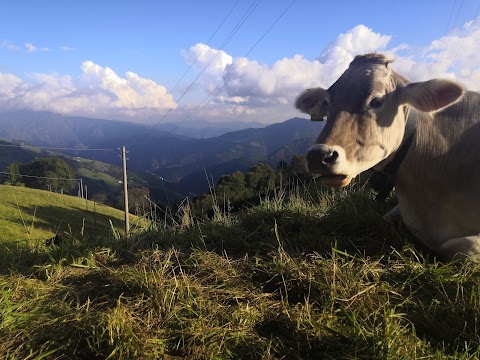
(330, 158)
(322, 153)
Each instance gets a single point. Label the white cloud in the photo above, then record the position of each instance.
(210, 62)
(255, 91)
(202, 57)
(9, 46)
(30, 48)
(267, 91)
(247, 89)
(8, 86)
(358, 40)
(98, 92)
(67, 48)
(27, 47)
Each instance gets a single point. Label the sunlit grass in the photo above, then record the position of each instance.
(96, 175)
(29, 216)
(288, 279)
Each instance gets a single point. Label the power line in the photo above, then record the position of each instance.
(464, 37)
(38, 177)
(52, 148)
(237, 27)
(200, 54)
(436, 64)
(235, 67)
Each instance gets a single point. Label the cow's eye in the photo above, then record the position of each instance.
(376, 102)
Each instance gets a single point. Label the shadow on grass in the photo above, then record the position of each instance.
(442, 305)
(74, 221)
(80, 231)
(294, 343)
(99, 288)
(258, 237)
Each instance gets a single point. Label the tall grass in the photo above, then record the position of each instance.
(297, 277)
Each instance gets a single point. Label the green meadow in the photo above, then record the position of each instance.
(30, 216)
(296, 277)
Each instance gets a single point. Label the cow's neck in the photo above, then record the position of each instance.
(383, 180)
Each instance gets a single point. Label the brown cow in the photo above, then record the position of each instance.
(427, 132)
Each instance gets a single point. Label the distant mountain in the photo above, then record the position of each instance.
(171, 156)
(42, 128)
(10, 154)
(205, 129)
(189, 160)
(240, 150)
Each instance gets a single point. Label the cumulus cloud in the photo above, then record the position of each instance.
(201, 55)
(245, 89)
(260, 91)
(256, 91)
(8, 86)
(97, 92)
(209, 62)
(358, 40)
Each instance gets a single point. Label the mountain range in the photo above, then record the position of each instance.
(179, 158)
(44, 128)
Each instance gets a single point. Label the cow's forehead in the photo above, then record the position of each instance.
(362, 79)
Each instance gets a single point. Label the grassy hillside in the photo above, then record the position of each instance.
(99, 177)
(292, 278)
(31, 216)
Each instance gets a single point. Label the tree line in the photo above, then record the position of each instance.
(231, 192)
(235, 191)
(50, 173)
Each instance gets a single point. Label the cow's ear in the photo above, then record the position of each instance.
(431, 95)
(315, 102)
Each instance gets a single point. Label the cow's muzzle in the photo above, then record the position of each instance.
(325, 161)
(322, 155)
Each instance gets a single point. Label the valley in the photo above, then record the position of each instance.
(172, 166)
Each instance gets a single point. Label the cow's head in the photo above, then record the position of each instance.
(366, 111)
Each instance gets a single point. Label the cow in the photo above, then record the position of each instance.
(425, 137)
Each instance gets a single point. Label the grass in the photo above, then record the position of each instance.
(289, 279)
(95, 175)
(30, 216)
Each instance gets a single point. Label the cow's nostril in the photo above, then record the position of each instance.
(330, 158)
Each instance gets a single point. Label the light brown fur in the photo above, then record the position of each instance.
(438, 183)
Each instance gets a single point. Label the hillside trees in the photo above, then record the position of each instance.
(11, 176)
(138, 200)
(298, 168)
(234, 191)
(261, 178)
(51, 173)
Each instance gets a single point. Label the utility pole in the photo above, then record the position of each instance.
(281, 173)
(125, 190)
(86, 197)
(81, 188)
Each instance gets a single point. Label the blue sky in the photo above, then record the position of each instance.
(122, 59)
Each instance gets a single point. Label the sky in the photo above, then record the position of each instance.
(150, 61)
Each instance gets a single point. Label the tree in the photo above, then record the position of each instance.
(100, 198)
(261, 178)
(11, 178)
(232, 187)
(50, 173)
(298, 167)
(282, 165)
(137, 201)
